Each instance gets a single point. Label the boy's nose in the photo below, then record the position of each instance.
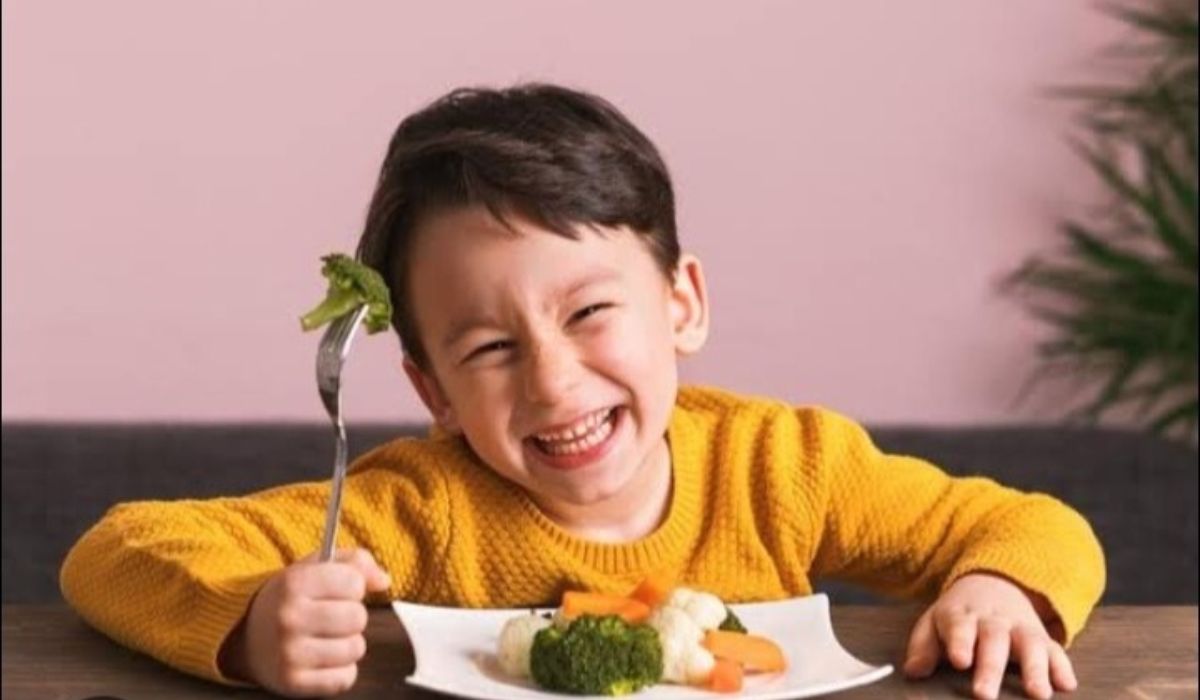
(551, 374)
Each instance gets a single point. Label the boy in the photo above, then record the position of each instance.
(542, 301)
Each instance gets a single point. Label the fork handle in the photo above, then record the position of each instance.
(335, 497)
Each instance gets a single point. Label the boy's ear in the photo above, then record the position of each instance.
(432, 396)
(689, 306)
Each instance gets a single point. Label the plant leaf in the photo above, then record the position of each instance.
(1111, 174)
(1185, 412)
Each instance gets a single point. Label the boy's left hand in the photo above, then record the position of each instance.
(981, 620)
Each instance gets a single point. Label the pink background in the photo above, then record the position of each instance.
(856, 175)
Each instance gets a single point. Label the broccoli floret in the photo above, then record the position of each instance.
(597, 656)
(732, 623)
(351, 284)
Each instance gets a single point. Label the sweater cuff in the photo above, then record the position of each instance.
(219, 607)
(1071, 590)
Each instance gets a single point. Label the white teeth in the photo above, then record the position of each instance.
(580, 428)
(586, 433)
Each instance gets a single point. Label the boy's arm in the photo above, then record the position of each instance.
(904, 527)
(173, 579)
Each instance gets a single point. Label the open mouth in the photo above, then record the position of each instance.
(579, 443)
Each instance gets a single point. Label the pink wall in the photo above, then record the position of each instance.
(856, 175)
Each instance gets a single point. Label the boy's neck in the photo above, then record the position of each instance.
(629, 515)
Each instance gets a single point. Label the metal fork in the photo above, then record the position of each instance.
(331, 355)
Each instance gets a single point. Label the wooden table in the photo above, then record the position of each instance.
(1139, 653)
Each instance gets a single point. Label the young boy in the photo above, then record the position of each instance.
(542, 300)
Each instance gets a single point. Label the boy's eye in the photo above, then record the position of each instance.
(588, 311)
(494, 346)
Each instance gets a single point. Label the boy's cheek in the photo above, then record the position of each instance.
(638, 346)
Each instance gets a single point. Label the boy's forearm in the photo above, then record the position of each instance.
(909, 529)
(129, 578)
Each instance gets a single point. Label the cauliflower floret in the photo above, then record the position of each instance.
(698, 665)
(681, 621)
(516, 640)
(684, 659)
(707, 610)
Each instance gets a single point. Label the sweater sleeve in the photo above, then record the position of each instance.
(901, 526)
(173, 579)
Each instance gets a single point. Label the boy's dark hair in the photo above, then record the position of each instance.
(558, 157)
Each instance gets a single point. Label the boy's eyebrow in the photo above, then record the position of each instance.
(594, 278)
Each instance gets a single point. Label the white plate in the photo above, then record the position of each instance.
(455, 653)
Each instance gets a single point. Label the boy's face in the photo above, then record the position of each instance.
(555, 358)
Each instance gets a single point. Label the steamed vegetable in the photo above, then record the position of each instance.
(685, 660)
(726, 676)
(605, 644)
(577, 603)
(732, 623)
(516, 640)
(706, 609)
(654, 589)
(351, 284)
(596, 656)
(754, 653)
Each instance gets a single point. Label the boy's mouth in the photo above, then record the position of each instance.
(578, 444)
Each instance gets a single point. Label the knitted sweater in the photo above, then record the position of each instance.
(765, 497)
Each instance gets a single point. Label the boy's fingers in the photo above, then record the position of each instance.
(379, 581)
(1062, 671)
(322, 682)
(331, 581)
(335, 618)
(1029, 647)
(991, 658)
(319, 653)
(922, 656)
(376, 578)
(958, 632)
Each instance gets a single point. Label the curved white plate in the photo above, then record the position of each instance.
(455, 653)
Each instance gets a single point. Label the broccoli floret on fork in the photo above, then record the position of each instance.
(351, 285)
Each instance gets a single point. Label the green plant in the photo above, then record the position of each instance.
(1121, 296)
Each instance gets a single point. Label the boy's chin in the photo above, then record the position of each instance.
(583, 489)
(583, 495)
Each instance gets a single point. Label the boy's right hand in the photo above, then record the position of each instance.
(303, 633)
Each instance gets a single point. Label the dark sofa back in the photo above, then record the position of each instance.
(1139, 493)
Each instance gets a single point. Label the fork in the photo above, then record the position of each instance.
(331, 355)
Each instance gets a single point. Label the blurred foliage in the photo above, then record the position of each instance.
(1120, 296)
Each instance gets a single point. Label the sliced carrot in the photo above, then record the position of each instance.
(726, 676)
(576, 603)
(655, 588)
(753, 652)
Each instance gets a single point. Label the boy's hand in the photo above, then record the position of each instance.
(302, 636)
(978, 621)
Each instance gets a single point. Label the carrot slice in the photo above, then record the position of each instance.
(576, 603)
(753, 652)
(726, 676)
(655, 588)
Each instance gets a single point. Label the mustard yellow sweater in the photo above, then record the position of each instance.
(765, 498)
